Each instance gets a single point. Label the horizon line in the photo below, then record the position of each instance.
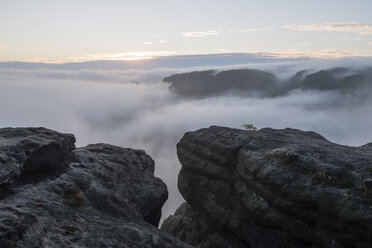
(138, 57)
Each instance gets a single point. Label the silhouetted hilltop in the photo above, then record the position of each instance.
(204, 83)
(265, 84)
(337, 79)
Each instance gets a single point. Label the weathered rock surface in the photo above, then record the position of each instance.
(272, 188)
(193, 228)
(53, 195)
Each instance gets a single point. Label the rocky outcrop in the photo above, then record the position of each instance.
(195, 229)
(272, 188)
(54, 195)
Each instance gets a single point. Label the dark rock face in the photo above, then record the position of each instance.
(272, 188)
(53, 195)
(33, 153)
(195, 229)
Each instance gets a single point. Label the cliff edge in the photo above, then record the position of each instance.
(272, 188)
(55, 195)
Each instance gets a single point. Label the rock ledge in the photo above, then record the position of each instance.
(54, 195)
(272, 188)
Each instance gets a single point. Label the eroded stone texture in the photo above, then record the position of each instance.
(273, 188)
(53, 195)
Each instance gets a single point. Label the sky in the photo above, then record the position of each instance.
(81, 30)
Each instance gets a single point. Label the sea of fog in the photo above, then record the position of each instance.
(101, 105)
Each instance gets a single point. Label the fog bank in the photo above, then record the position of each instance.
(103, 106)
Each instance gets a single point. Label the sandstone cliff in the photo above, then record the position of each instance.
(272, 188)
(251, 189)
(54, 195)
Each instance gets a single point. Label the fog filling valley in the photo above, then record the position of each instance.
(133, 108)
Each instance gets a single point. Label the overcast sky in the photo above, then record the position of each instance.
(75, 30)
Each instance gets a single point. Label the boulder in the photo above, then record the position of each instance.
(272, 188)
(54, 195)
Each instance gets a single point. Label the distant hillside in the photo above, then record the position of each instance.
(210, 83)
(262, 83)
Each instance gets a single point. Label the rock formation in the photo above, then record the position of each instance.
(272, 188)
(53, 195)
(251, 189)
